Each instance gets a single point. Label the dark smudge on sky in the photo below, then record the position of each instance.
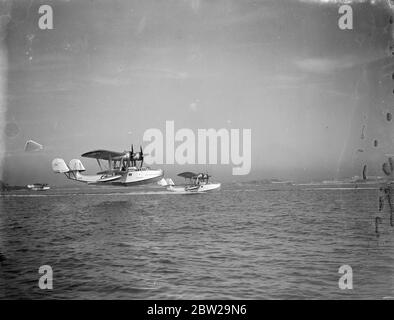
(282, 68)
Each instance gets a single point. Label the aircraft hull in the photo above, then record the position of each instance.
(133, 178)
(139, 178)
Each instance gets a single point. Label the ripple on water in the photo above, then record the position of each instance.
(248, 243)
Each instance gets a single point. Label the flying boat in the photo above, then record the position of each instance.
(123, 168)
(196, 183)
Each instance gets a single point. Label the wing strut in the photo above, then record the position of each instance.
(98, 161)
(110, 163)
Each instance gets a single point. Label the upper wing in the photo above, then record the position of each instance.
(187, 175)
(102, 154)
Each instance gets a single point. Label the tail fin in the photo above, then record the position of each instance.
(165, 182)
(76, 165)
(59, 166)
(170, 182)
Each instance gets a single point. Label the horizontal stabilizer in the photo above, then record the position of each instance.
(76, 165)
(59, 166)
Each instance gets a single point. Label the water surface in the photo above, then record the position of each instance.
(246, 241)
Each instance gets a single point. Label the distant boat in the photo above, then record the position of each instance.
(38, 187)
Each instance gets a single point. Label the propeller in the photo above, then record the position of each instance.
(138, 156)
(141, 155)
(125, 157)
(131, 157)
(206, 176)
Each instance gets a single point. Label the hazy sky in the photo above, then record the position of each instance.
(109, 70)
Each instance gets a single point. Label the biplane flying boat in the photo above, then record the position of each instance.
(197, 183)
(123, 168)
